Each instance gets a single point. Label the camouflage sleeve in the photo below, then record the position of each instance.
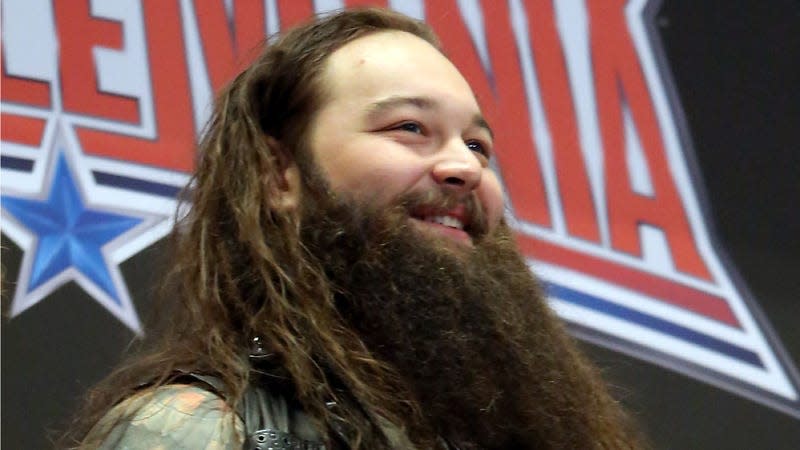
(170, 417)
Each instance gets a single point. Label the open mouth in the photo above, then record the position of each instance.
(452, 224)
(448, 221)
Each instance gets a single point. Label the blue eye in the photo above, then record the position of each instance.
(412, 127)
(478, 147)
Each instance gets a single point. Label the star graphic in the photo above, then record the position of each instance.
(68, 237)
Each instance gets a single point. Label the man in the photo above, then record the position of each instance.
(346, 256)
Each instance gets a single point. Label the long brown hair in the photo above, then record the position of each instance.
(239, 270)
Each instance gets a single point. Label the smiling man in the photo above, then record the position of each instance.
(400, 119)
(344, 277)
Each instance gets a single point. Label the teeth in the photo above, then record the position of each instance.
(447, 221)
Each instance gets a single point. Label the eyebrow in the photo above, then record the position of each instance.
(424, 103)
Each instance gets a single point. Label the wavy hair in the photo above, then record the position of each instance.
(239, 269)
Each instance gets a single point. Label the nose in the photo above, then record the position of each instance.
(457, 169)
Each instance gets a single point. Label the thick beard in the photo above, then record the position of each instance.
(467, 328)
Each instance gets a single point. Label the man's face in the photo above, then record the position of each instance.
(400, 121)
(400, 144)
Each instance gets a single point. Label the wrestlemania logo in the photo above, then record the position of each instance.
(102, 101)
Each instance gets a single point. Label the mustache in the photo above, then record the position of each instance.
(476, 222)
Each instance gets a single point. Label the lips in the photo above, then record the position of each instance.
(455, 219)
(448, 221)
(456, 216)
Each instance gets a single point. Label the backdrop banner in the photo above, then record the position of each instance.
(624, 205)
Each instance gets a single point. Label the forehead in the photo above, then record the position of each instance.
(393, 63)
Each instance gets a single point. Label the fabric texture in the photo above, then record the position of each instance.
(183, 417)
(170, 417)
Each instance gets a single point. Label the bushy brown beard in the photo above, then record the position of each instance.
(467, 329)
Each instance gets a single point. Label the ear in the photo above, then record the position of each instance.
(287, 197)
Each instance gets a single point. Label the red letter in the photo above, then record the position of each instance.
(356, 3)
(619, 79)
(504, 101)
(13, 128)
(78, 34)
(292, 12)
(573, 184)
(228, 51)
(173, 146)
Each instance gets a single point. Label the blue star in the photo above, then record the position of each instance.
(68, 234)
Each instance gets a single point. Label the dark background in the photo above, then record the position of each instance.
(736, 67)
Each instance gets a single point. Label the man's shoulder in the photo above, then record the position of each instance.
(178, 400)
(171, 416)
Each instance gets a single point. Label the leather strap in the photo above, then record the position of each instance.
(266, 416)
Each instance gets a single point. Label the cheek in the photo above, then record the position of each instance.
(373, 175)
(491, 196)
